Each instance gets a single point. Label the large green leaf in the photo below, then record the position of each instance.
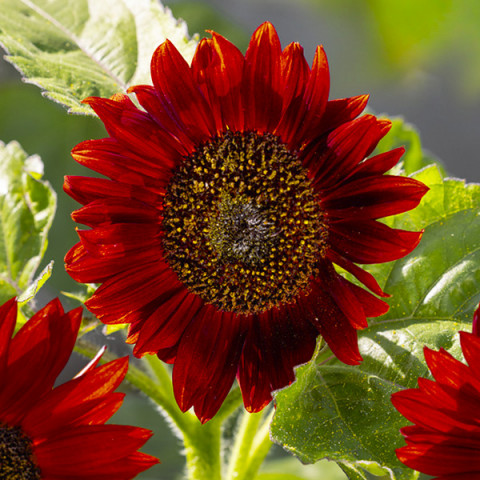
(27, 207)
(76, 48)
(344, 413)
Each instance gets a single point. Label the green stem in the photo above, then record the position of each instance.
(202, 450)
(202, 442)
(261, 447)
(243, 442)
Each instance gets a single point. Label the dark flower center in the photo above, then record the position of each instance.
(16, 456)
(242, 226)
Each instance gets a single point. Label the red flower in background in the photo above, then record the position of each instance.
(59, 433)
(229, 199)
(445, 438)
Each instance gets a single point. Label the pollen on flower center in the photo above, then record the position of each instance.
(242, 226)
(16, 457)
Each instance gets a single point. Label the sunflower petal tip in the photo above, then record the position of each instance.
(476, 322)
(89, 100)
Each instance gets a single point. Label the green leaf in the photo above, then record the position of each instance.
(110, 329)
(278, 476)
(27, 207)
(36, 285)
(403, 134)
(352, 472)
(73, 49)
(291, 468)
(344, 413)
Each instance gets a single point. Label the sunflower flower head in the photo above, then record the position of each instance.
(60, 432)
(230, 195)
(444, 440)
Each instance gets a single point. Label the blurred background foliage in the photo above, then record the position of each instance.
(417, 59)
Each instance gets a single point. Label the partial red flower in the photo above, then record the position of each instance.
(57, 433)
(445, 438)
(231, 195)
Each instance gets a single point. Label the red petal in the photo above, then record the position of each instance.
(262, 81)
(343, 296)
(374, 197)
(154, 103)
(369, 241)
(377, 165)
(85, 267)
(277, 341)
(116, 210)
(471, 350)
(340, 111)
(316, 95)
(460, 476)
(168, 355)
(476, 322)
(457, 437)
(359, 273)
(334, 156)
(8, 320)
(37, 355)
(166, 325)
(218, 69)
(448, 371)
(86, 400)
(93, 451)
(321, 310)
(415, 406)
(88, 189)
(461, 404)
(179, 94)
(123, 469)
(207, 361)
(371, 305)
(295, 73)
(108, 157)
(115, 299)
(135, 130)
(440, 459)
(122, 239)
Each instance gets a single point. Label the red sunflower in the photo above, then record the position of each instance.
(51, 433)
(445, 438)
(230, 196)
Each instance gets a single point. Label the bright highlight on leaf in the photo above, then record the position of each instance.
(27, 207)
(73, 49)
(345, 414)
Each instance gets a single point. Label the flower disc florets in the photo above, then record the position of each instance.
(243, 229)
(16, 458)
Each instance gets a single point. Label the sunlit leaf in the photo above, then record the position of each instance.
(73, 49)
(27, 207)
(403, 134)
(289, 468)
(36, 285)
